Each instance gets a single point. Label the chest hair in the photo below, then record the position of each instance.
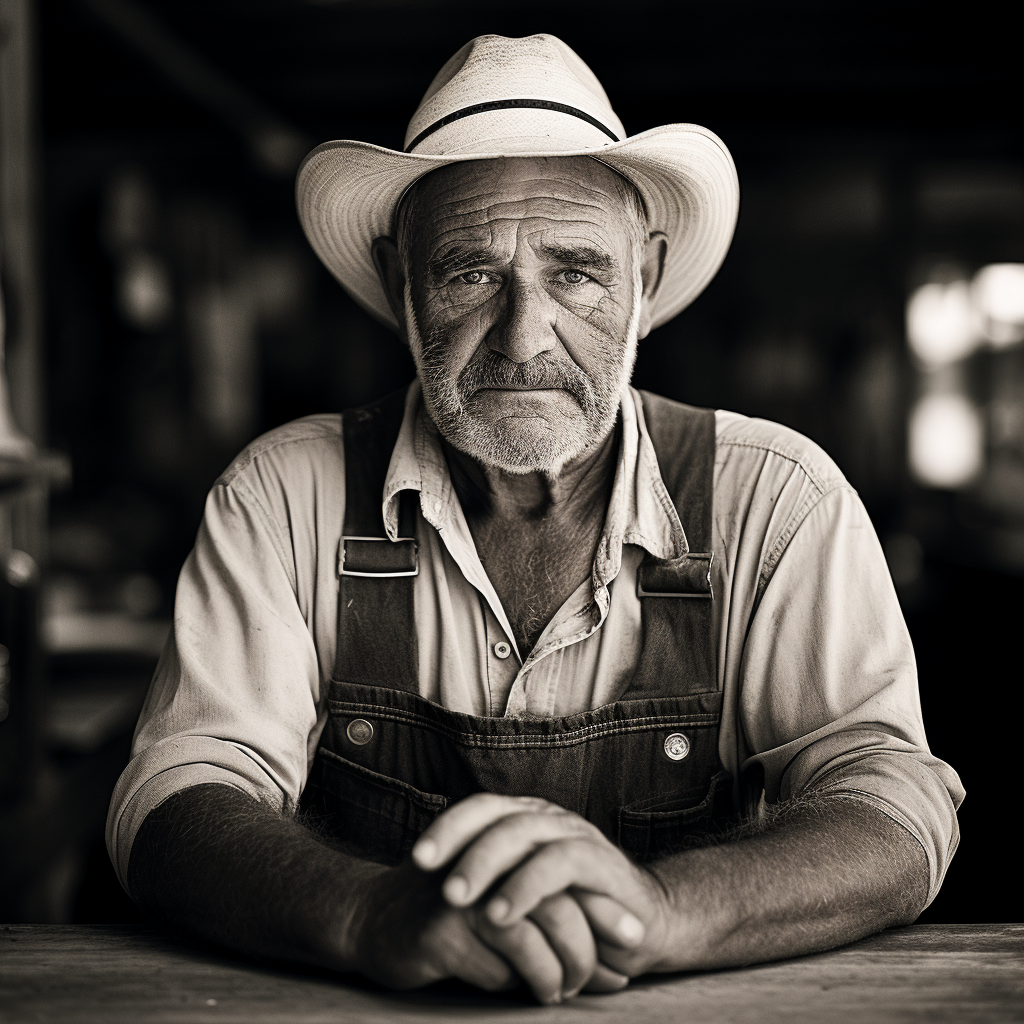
(534, 567)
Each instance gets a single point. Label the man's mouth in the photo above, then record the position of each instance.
(519, 387)
(543, 377)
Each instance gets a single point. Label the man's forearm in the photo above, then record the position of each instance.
(214, 861)
(824, 873)
(827, 872)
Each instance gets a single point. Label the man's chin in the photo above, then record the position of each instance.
(540, 430)
(522, 443)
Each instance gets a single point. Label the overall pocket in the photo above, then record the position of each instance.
(371, 815)
(648, 830)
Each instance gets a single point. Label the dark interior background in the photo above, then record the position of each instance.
(879, 146)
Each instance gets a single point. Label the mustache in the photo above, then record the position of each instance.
(543, 371)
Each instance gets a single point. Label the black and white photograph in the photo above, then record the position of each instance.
(510, 513)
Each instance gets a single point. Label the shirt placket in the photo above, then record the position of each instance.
(503, 665)
(530, 685)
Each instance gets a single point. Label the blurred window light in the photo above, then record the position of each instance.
(946, 441)
(145, 293)
(942, 323)
(998, 293)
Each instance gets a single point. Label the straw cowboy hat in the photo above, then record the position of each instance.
(500, 97)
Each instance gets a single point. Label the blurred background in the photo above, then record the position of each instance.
(163, 308)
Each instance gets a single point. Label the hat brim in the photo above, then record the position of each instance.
(347, 193)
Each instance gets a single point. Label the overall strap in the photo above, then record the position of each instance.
(376, 642)
(679, 653)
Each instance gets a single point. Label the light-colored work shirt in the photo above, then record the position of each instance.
(814, 657)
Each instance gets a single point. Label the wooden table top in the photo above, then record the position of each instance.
(109, 974)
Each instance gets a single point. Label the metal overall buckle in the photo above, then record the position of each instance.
(401, 558)
(686, 576)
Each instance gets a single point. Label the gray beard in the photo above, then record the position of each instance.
(529, 445)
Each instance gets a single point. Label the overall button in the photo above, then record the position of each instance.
(677, 746)
(359, 731)
(502, 650)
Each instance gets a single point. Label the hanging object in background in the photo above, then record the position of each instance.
(13, 443)
(943, 325)
(947, 322)
(144, 293)
(998, 294)
(130, 228)
(945, 435)
(946, 443)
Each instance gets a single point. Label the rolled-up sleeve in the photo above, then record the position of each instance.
(235, 694)
(829, 698)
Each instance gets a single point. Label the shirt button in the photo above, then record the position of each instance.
(502, 650)
(359, 731)
(677, 746)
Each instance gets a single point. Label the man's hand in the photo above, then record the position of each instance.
(406, 935)
(522, 859)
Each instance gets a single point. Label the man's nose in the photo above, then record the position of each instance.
(526, 323)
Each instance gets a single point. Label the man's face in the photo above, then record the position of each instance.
(521, 302)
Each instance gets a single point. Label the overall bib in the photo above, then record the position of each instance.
(645, 769)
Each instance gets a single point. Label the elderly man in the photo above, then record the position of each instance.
(524, 676)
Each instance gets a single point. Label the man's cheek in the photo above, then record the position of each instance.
(596, 348)
(597, 311)
(453, 344)
(443, 316)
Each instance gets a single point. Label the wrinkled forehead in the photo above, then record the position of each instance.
(464, 197)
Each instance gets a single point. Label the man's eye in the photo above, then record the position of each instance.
(473, 277)
(574, 276)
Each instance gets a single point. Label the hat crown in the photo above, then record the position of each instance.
(530, 97)
(491, 71)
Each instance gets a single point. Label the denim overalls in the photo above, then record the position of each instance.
(645, 770)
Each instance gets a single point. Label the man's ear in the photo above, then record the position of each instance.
(650, 278)
(391, 272)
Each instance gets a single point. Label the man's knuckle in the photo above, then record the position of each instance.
(556, 911)
(573, 850)
(536, 805)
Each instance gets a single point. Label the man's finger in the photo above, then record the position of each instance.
(565, 927)
(561, 865)
(451, 947)
(609, 920)
(482, 967)
(498, 849)
(527, 950)
(604, 979)
(449, 833)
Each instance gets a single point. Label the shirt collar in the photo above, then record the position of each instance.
(640, 510)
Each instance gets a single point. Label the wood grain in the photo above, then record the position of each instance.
(112, 974)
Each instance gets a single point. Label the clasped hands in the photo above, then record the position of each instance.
(502, 890)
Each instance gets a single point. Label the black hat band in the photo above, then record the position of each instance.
(480, 108)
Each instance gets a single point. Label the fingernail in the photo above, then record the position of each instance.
(630, 929)
(455, 889)
(498, 909)
(425, 853)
